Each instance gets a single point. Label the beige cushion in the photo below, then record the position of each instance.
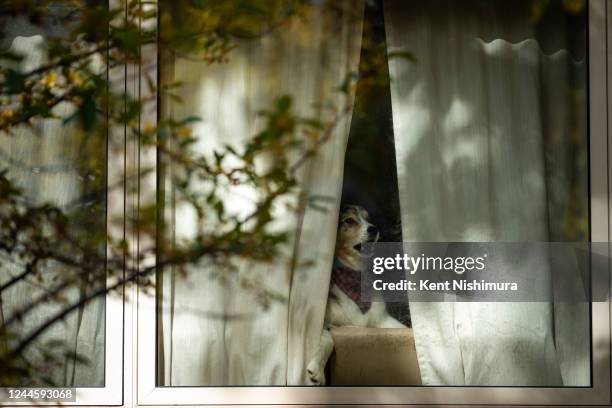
(367, 356)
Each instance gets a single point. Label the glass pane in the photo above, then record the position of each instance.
(52, 220)
(439, 121)
(492, 145)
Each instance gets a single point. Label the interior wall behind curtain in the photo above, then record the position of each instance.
(490, 133)
(45, 161)
(213, 333)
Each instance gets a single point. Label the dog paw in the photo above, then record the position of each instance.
(316, 373)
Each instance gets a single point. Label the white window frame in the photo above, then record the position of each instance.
(147, 393)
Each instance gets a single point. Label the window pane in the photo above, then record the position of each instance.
(467, 121)
(492, 145)
(53, 234)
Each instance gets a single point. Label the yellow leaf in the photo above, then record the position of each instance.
(49, 80)
(184, 132)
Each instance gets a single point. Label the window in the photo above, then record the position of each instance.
(484, 133)
(76, 342)
(279, 155)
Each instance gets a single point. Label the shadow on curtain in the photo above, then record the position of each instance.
(491, 145)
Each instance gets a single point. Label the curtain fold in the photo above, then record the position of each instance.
(211, 333)
(490, 134)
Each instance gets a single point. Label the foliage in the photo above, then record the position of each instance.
(58, 248)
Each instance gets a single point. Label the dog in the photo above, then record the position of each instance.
(344, 305)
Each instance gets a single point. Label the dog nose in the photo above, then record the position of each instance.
(372, 229)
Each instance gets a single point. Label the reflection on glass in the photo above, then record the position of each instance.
(60, 171)
(480, 135)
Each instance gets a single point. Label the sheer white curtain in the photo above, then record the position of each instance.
(44, 162)
(214, 334)
(489, 123)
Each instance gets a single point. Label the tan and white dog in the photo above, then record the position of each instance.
(344, 304)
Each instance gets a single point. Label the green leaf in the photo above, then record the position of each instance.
(189, 119)
(70, 118)
(318, 202)
(314, 123)
(283, 103)
(219, 208)
(87, 112)
(404, 55)
(11, 56)
(346, 83)
(76, 357)
(218, 157)
(14, 81)
(162, 133)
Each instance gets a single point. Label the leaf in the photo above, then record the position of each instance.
(87, 112)
(76, 357)
(231, 149)
(14, 81)
(404, 55)
(219, 208)
(175, 98)
(162, 133)
(346, 83)
(11, 56)
(314, 123)
(218, 157)
(317, 202)
(189, 119)
(70, 118)
(53, 343)
(283, 103)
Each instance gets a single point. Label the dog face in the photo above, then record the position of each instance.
(355, 229)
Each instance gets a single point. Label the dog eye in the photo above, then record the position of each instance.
(350, 221)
